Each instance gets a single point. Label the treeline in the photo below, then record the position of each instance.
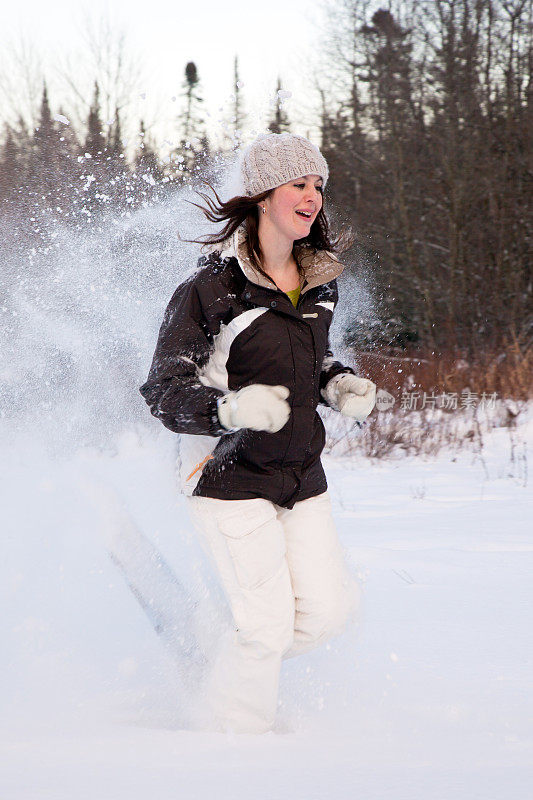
(430, 147)
(426, 120)
(75, 175)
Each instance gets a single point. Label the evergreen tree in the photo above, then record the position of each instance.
(114, 140)
(95, 142)
(389, 66)
(68, 166)
(94, 155)
(22, 151)
(389, 59)
(147, 165)
(280, 122)
(44, 170)
(234, 129)
(239, 116)
(193, 150)
(10, 165)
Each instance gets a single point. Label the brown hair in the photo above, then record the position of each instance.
(243, 209)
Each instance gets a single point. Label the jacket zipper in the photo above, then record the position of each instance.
(304, 316)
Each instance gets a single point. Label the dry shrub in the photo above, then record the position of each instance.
(507, 372)
(498, 383)
(401, 432)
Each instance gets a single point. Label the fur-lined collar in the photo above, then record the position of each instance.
(320, 267)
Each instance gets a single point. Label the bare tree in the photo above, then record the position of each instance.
(21, 81)
(108, 60)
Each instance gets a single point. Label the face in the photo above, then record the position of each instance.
(288, 200)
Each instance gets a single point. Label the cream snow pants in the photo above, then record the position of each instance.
(288, 588)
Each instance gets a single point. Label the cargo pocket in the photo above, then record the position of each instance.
(256, 544)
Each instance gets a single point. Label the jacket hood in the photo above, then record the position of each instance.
(319, 267)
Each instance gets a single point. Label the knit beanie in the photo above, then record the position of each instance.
(276, 158)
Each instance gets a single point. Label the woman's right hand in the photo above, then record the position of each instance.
(259, 407)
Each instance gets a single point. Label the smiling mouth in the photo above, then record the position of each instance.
(304, 215)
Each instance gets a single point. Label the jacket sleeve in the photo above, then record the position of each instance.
(330, 366)
(173, 390)
(330, 369)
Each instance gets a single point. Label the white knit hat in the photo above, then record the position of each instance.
(276, 158)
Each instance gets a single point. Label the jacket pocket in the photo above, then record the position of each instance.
(256, 544)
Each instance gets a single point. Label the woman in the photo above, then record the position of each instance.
(241, 363)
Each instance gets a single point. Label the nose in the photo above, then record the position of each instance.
(313, 195)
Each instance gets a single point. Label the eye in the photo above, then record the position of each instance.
(320, 188)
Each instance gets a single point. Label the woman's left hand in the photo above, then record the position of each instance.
(356, 397)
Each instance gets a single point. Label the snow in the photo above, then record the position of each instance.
(427, 695)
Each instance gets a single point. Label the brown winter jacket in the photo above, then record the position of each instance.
(226, 327)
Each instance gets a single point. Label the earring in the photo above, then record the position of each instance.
(264, 209)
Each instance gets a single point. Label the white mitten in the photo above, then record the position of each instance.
(259, 407)
(353, 396)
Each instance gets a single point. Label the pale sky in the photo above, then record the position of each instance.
(271, 38)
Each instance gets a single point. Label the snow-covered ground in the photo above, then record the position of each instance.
(427, 697)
